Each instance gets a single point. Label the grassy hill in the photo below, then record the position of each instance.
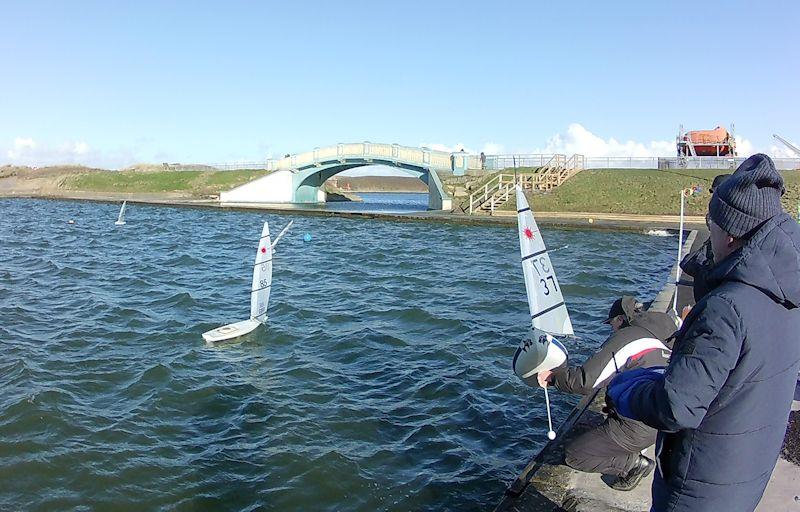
(193, 183)
(643, 191)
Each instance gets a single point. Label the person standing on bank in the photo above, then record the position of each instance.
(614, 447)
(722, 404)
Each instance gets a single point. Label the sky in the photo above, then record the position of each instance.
(110, 84)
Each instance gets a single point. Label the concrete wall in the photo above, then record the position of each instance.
(273, 188)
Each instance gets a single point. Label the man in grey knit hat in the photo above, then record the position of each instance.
(722, 404)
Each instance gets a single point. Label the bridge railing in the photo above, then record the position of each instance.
(440, 160)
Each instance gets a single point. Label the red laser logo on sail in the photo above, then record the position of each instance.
(528, 233)
(263, 249)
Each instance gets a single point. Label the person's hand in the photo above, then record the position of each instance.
(544, 377)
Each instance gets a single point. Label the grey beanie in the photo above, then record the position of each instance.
(750, 196)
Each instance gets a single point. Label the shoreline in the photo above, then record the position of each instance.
(565, 220)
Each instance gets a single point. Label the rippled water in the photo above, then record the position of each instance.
(382, 382)
(380, 202)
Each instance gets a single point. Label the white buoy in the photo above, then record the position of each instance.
(70, 221)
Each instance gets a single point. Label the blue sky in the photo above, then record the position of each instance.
(111, 85)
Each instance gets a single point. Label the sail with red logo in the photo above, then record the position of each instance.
(549, 315)
(259, 295)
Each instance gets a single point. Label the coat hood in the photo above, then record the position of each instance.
(769, 261)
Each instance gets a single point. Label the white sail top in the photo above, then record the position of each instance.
(121, 217)
(262, 277)
(546, 303)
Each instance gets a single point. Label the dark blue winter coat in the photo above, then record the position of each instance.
(723, 404)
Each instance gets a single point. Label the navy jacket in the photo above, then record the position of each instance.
(723, 404)
(698, 264)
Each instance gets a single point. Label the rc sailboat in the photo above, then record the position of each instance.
(549, 315)
(259, 293)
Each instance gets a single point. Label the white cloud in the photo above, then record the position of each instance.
(578, 139)
(446, 148)
(493, 148)
(781, 151)
(744, 147)
(21, 146)
(28, 151)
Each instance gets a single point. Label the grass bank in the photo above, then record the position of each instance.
(193, 183)
(640, 191)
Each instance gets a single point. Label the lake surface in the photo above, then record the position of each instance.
(379, 202)
(382, 381)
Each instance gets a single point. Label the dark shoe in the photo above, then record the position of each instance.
(641, 469)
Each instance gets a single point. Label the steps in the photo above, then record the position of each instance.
(500, 189)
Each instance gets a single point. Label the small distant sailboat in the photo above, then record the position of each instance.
(259, 292)
(549, 315)
(121, 218)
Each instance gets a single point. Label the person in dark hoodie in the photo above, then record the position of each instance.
(614, 447)
(698, 263)
(722, 404)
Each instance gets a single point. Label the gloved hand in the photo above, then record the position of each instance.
(621, 387)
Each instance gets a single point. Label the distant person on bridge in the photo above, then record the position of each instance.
(483, 161)
(722, 404)
(614, 447)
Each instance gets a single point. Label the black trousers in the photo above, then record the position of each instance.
(611, 448)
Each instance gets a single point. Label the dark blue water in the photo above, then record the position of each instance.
(382, 202)
(382, 382)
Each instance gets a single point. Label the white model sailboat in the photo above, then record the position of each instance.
(259, 294)
(549, 315)
(121, 218)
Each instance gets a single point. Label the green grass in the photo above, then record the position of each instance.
(194, 183)
(640, 191)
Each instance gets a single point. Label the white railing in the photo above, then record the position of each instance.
(498, 190)
(424, 157)
(440, 160)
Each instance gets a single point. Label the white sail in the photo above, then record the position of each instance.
(262, 277)
(545, 300)
(549, 316)
(121, 218)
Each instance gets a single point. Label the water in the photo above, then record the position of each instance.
(383, 381)
(380, 202)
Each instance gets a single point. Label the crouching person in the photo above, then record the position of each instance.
(614, 448)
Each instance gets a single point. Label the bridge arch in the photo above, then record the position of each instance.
(297, 178)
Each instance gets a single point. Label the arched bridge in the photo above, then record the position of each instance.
(297, 178)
